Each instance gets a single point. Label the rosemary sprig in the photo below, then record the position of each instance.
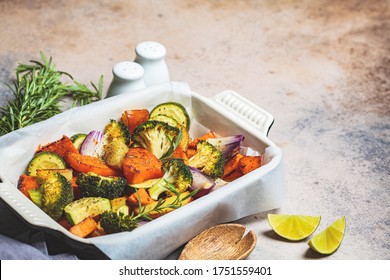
(39, 91)
(173, 145)
(160, 205)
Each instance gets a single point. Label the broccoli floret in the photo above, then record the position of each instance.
(176, 174)
(113, 222)
(56, 192)
(117, 130)
(157, 137)
(94, 185)
(208, 159)
(115, 143)
(114, 152)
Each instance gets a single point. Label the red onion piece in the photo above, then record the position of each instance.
(201, 181)
(93, 144)
(228, 146)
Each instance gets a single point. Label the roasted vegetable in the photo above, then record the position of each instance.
(240, 165)
(45, 160)
(164, 118)
(140, 165)
(114, 152)
(94, 185)
(229, 146)
(163, 206)
(138, 168)
(141, 196)
(26, 183)
(83, 228)
(201, 182)
(87, 164)
(232, 164)
(60, 147)
(133, 118)
(85, 207)
(78, 139)
(45, 173)
(55, 193)
(116, 140)
(192, 144)
(113, 222)
(249, 163)
(116, 130)
(92, 144)
(157, 137)
(118, 202)
(208, 159)
(173, 110)
(185, 139)
(176, 175)
(180, 154)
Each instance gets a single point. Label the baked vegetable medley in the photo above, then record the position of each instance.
(140, 166)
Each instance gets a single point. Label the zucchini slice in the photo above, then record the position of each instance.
(45, 160)
(79, 210)
(145, 185)
(164, 118)
(78, 139)
(173, 110)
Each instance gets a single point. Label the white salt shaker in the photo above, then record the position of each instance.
(128, 76)
(151, 55)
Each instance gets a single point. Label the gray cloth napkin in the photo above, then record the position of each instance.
(20, 242)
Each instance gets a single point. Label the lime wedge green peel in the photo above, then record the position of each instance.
(293, 227)
(329, 240)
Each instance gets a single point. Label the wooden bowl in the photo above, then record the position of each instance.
(220, 242)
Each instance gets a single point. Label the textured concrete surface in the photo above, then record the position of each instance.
(322, 68)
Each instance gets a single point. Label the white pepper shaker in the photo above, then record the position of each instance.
(128, 76)
(151, 55)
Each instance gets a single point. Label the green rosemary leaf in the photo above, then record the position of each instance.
(39, 91)
(194, 192)
(173, 145)
(160, 205)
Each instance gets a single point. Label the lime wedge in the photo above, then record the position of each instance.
(329, 240)
(293, 227)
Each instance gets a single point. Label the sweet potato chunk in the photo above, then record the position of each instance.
(140, 165)
(249, 163)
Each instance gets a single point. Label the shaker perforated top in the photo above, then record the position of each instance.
(150, 50)
(128, 70)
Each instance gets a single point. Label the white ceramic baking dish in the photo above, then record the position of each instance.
(226, 113)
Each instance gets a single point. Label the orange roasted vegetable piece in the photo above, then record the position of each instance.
(27, 183)
(133, 118)
(249, 163)
(190, 152)
(232, 176)
(232, 164)
(143, 195)
(84, 228)
(179, 153)
(64, 222)
(76, 190)
(140, 165)
(194, 142)
(61, 147)
(85, 164)
(185, 138)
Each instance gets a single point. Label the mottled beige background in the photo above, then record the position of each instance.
(322, 68)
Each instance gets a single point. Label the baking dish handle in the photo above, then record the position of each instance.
(260, 119)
